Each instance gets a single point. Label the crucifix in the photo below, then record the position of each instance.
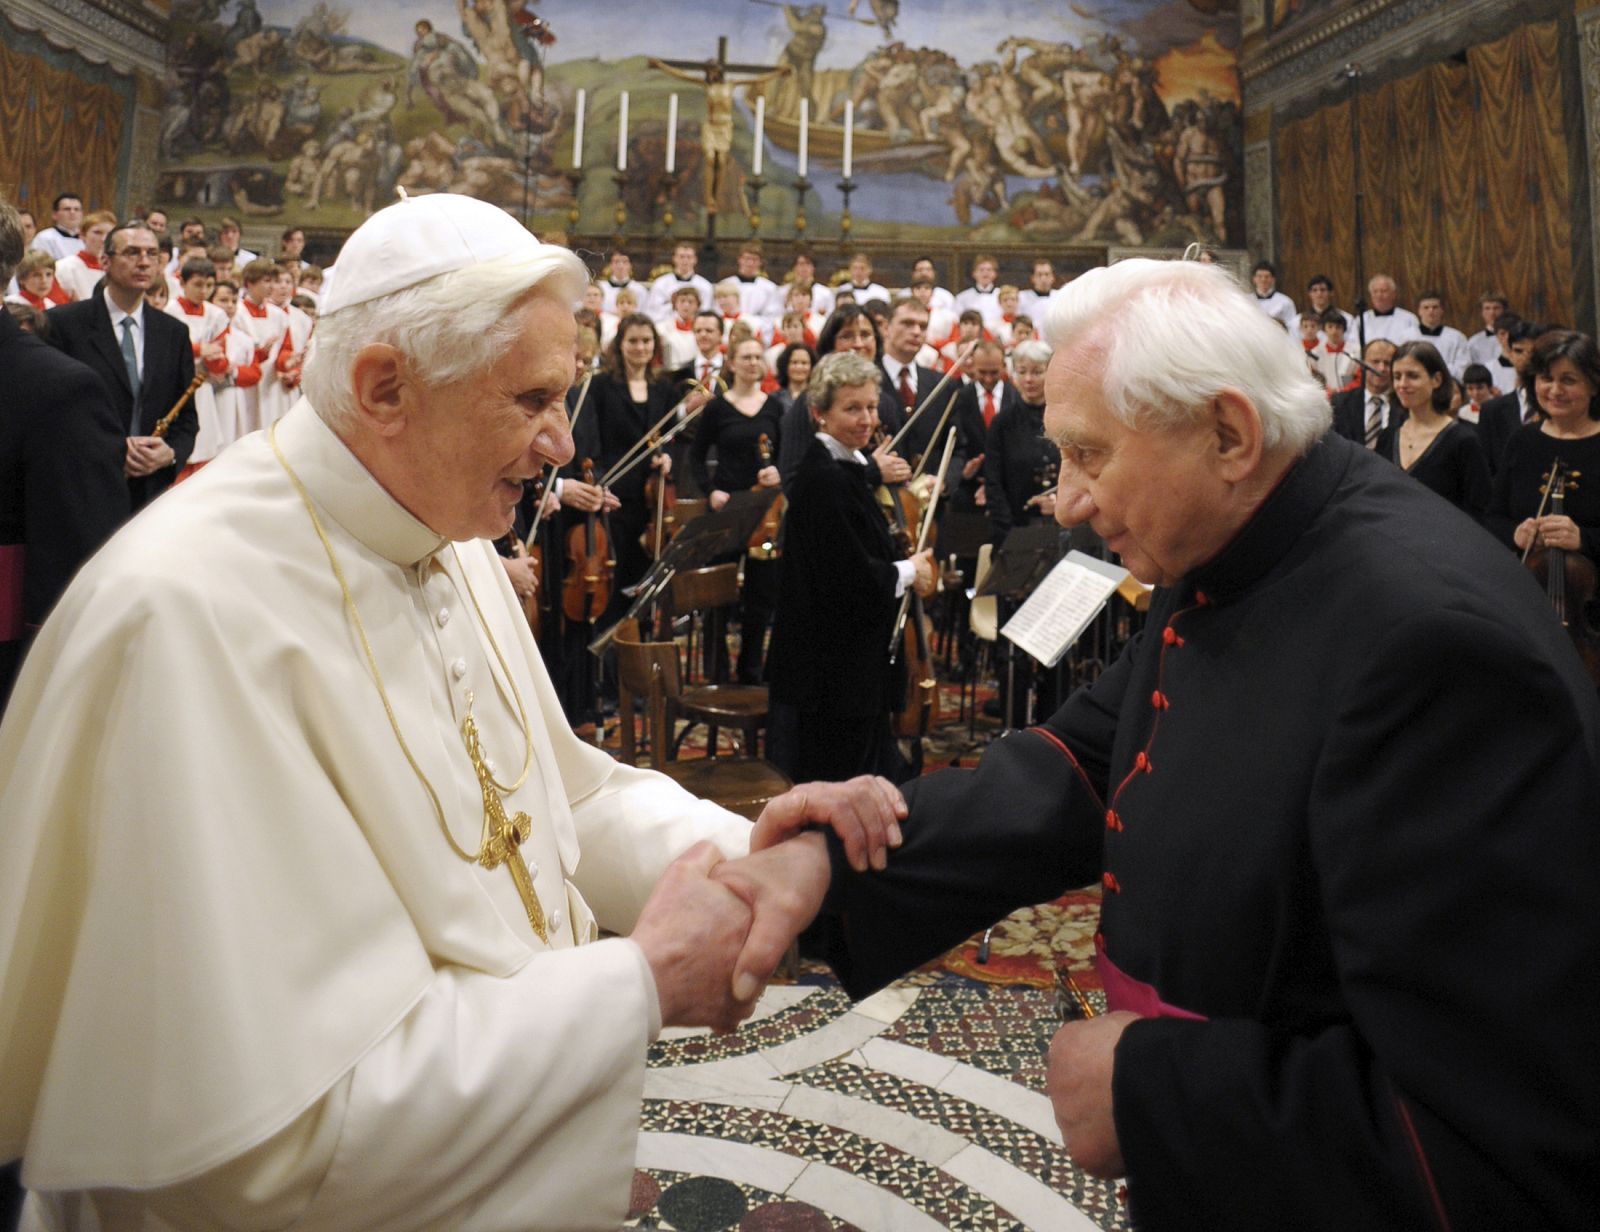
(505, 834)
(716, 134)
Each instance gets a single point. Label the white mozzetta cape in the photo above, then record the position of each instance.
(226, 908)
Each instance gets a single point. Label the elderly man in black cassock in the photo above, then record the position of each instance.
(1340, 795)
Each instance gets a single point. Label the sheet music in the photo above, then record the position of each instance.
(1061, 607)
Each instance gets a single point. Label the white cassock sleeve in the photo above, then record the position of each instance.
(496, 1104)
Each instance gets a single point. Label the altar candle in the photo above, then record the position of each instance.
(849, 131)
(761, 123)
(672, 133)
(577, 133)
(622, 134)
(805, 132)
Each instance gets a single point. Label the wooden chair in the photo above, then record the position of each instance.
(712, 591)
(649, 671)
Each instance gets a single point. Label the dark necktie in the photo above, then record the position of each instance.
(988, 407)
(1374, 423)
(908, 394)
(130, 360)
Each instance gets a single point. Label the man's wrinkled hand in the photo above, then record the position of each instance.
(1082, 1057)
(783, 887)
(692, 931)
(865, 812)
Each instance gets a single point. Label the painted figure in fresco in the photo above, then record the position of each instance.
(1088, 96)
(303, 169)
(246, 21)
(302, 110)
(1043, 68)
(808, 33)
(350, 166)
(1201, 166)
(448, 75)
(531, 34)
(488, 24)
(716, 133)
(886, 12)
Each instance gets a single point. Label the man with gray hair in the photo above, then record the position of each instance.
(302, 874)
(1347, 946)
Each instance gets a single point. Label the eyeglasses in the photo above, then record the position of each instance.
(153, 253)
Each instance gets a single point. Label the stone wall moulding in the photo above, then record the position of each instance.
(1589, 61)
(119, 35)
(1260, 225)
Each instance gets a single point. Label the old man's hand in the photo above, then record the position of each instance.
(783, 886)
(1079, 1084)
(865, 812)
(693, 931)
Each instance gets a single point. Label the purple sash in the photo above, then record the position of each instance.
(1123, 992)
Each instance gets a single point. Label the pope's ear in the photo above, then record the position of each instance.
(1237, 436)
(380, 381)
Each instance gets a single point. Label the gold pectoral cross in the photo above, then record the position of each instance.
(506, 834)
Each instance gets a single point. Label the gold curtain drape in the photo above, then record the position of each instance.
(58, 133)
(1465, 177)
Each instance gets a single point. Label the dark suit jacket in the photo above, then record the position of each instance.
(1350, 417)
(1305, 843)
(919, 439)
(61, 486)
(83, 330)
(1498, 420)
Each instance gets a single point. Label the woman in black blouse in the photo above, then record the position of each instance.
(839, 583)
(630, 396)
(1019, 461)
(792, 371)
(733, 425)
(1431, 445)
(1564, 378)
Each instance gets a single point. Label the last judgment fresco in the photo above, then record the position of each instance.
(1101, 122)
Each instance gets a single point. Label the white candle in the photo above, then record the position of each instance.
(849, 131)
(622, 134)
(761, 123)
(577, 133)
(672, 133)
(805, 132)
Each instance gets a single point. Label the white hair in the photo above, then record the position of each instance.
(1031, 351)
(448, 326)
(1174, 335)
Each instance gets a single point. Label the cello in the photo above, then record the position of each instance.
(1568, 578)
(587, 591)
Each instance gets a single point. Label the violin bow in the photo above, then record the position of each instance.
(955, 368)
(922, 542)
(1550, 485)
(550, 467)
(651, 443)
(648, 442)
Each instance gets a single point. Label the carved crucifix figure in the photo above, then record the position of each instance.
(505, 834)
(716, 134)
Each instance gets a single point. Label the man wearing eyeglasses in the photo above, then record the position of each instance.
(144, 359)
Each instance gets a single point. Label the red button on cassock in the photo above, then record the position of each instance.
(1158, 700)
(1169, 635)
(1110, 883)
(1113, 822)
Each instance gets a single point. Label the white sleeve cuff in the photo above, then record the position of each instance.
(906, 573)
(652, 996)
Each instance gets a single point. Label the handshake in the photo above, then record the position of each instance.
(714, 929)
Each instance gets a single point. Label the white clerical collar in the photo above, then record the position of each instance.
(347, 492)
(842, 452)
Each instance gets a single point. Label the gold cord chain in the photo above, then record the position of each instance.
(486, 836)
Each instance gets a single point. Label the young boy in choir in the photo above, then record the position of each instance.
(1311, 342)
(981, 295)
(310, 283)
(1009, 301)
(677, 335)
(267, 326)
(160, 294)
(803, 299)
(1479, 389)
(208, 327)
(729, 305)
(791, 331)
(1337, 369)
(969, 328)
(293, 353)
(941, 320)
(36, 280)
(244, 373)
(80, 272)
(222, 260)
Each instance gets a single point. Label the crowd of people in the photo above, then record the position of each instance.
(1298, 961)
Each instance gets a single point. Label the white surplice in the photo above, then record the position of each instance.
(244, 981)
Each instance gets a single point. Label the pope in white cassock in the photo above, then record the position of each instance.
(301, 871)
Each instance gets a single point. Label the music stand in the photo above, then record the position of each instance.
(699, 543)
(1021, 563)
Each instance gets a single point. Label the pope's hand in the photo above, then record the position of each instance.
(865, 812)
(1079, 1083)
(784, 887)
(691, 931)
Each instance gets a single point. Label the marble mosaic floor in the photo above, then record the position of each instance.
(921, 1107)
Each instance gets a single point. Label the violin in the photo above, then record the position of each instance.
(763, 543)
(590, 564)
(1569, 578)
(913, 635)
